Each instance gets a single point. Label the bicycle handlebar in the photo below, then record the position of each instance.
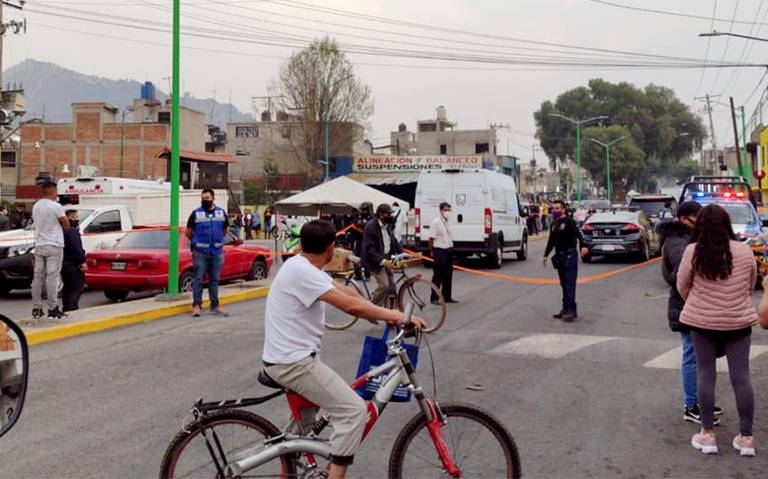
(407, 313)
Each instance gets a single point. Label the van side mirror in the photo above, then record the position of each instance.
(14, 371)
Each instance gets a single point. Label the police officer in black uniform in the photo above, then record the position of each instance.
(564, 237)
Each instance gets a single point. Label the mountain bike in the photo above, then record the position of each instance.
(414, 289)
(443, 440)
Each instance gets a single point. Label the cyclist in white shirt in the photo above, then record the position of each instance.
(294, 323)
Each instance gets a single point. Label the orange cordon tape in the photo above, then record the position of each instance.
(543, 281)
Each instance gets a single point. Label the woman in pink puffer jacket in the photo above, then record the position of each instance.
(717, 278)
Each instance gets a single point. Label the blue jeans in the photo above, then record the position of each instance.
(688, 370)
(210, 265)
(568, 272)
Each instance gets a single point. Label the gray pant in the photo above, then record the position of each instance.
(48, 261)
(736, 347)
(311, 378)
(385, 285)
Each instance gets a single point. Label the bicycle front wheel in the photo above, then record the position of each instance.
(478, 442)
(203, 450)
(428, 302)
(336, 319)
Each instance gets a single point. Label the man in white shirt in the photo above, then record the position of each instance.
(294, 322)
(50, 221)
(400, 216)
(441, 249)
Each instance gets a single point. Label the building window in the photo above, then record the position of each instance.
(443, 149)
(481, 148)
(8, 159)
(427, 127)
(164, 117)
(247, 131)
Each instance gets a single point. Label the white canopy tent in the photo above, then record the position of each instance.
(338, 196)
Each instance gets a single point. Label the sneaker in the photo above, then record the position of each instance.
(219, 312)
(744, 444)
(195, 311)
(558, 315)
(705, 443)
(694, 415)
(54, 314)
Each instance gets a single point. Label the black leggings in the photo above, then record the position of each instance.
(736, 347)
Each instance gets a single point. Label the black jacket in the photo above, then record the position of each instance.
(373, 246)
(563, 235)
(675, 237)
(73, 246)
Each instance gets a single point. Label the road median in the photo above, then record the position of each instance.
(102, 318)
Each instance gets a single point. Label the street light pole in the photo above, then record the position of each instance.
(578, 124)
(607, 146)
(173, 250)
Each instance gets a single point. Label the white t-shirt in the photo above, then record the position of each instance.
(295, 317)
(48, 231)
(440, 232)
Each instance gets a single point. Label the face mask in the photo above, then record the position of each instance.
(557, 214)
(206, 204)
(446, 215)
(388, 220)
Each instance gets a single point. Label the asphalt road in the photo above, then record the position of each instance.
(597, 398)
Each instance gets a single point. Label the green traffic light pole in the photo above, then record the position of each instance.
(578, 124)
(607, 146)
(173, 259)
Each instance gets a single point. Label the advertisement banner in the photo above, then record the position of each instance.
(388, 164)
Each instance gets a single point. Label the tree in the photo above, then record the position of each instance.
(318, 85)
(663, 131)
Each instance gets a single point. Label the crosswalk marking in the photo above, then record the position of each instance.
(649, 353)
(551, 346)
(671, 359)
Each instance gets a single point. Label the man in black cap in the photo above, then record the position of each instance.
(379, 245)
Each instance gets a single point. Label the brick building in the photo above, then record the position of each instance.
(439, 136)
(99, 137)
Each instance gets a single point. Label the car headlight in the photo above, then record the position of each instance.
(20, 250)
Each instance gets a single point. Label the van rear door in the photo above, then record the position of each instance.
(466, 199)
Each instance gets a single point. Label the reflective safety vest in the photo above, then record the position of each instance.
(208, 236)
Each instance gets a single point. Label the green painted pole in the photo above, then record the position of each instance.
(608, 170)
(173, 259)
(578, 162)
(325, 146)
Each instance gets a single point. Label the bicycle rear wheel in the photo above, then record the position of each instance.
(228, 433)
(420, 292)
(478, 442)
(336, 319)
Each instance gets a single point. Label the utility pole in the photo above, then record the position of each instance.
(711, 124)
(736, 138)
(173, 250)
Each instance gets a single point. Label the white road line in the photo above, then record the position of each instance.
(671, 359)
(550, 346)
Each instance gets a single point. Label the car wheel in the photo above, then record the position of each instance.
(522, 255)
(115, 295)
(185, 281)
(496, 258)
(259, 270)
(4, 290)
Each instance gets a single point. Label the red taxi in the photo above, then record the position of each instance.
(139, 262)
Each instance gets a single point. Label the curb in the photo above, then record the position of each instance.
(63, 331)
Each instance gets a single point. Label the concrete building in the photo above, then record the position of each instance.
(98, 137)
(439, 136)
(280, 142)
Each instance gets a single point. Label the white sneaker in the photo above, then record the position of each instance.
(705, 443)
(744, 444)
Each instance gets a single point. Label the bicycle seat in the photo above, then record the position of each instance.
(266, 380)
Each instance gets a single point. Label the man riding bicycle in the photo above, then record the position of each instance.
(294, 322)
(379, 245)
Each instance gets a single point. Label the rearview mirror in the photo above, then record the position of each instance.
(14, 369)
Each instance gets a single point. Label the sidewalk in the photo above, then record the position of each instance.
(116, 315)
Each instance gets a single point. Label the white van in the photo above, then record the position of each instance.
(485, 212)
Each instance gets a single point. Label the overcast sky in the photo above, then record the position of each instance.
(408, 89)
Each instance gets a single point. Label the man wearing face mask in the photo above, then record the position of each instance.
(564, 237)
(73, 266)
(379, 245)
(441, 249)
(206, 229)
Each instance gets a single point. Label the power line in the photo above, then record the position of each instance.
(727, 44)
(748, 46)
(670, 13)
(706, 53)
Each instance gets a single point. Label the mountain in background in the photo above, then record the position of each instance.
(50, 90)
